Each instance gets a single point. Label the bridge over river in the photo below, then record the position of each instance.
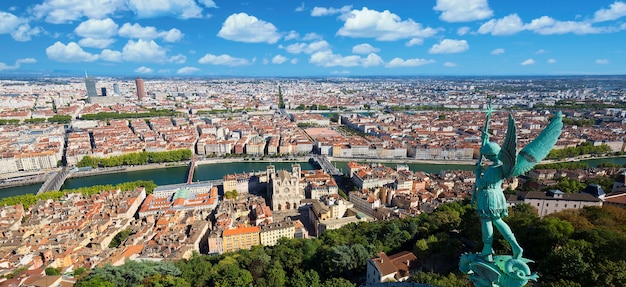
(326, 165)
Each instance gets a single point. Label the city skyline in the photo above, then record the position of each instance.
(312, 38)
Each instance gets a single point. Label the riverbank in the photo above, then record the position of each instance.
(242, 159)
(119, 169)
(404, 161)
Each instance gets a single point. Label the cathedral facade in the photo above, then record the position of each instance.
(284, 188)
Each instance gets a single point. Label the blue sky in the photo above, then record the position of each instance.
(164, 38)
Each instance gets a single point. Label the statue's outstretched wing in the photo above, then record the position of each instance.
(539, 148)
(508, 152)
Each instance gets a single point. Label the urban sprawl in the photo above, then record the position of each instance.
(50, 125)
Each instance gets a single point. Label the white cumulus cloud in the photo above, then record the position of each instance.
(414, 42)
(462, 31)
(144, 70)
(329, 59)
(208, 3)
(545, 25)
(9, 22)
(95, 42)
(139, 32)
(242, 27)
(383, 26)
(178, 59)
(497, 51)
(364, 49)
(309, 48)
(291, 35)
(18, 27)
(551, 61)
(311, 37)
(136, 31)
(528, 62)
(224, 59)
(184, 9)
(66, 11)
(449, 64)
(24, 32)
(602, 61)
(187, 70)
(371, 60)
(17, 65)
(463, 10)
(143, 51)
(508, 25)
(300, 8)
(400, 63)
(172, 35)
(110, 55)
(322, 11)
(616, 10)
(94, 28)
(449, 46)
(279, 59)
(70, 53)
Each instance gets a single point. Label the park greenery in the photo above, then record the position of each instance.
(119, 238)
(572, 185)
(114, 115)
(562, 165)
(138, 158)
(9, 122)
(30, 199)
(570, 248)
(585, 148)
(578, 122)
(313, 107)
(233, 194)
(35, 121)
(582, 105)
(58, 119)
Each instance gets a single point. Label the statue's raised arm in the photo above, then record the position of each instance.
(515, 163)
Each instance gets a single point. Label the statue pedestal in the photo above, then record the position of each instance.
(503, 271)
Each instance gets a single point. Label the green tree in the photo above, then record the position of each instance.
(572, 262)
(338, 282)
(435, 279)
(159, 280)
(51, 271)
(276, 276)
(79, 271)
(227, 273)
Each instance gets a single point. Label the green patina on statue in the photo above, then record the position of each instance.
(504, 270)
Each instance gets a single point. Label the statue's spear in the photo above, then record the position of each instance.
(484, 141)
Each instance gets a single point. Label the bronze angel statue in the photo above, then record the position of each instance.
(507, 162)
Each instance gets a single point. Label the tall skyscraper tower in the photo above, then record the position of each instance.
(90, 85)
(141, 90)
(116, 89)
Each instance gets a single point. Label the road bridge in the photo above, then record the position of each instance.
(326, 165)
(54, 182)
(192, 168)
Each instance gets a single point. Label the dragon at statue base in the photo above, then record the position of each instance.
(503, 271)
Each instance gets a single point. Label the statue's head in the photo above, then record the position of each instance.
(490, 150)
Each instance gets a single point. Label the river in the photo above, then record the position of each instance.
(173, 175)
